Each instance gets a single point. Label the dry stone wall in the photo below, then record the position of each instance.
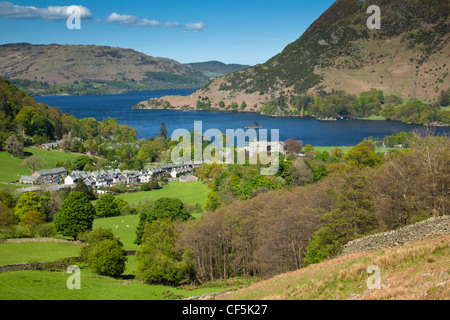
(432, 227)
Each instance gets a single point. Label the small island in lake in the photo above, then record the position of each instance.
(254, 126)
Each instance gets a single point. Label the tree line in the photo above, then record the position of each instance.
(339, 104)
(284, 229)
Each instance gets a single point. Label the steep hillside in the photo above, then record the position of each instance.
(216, 69)
(416, 271)
(35, 123)
(69, 69)
(408, 56)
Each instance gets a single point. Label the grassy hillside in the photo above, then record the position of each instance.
(408, 56)
(419, 270)
(72, 69)
(41, 285)
(215, 69)
(11, 168)
(16, 253)
(123, 227)
(189, 192)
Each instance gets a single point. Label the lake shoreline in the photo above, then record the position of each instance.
(433, 125)
(148, 121)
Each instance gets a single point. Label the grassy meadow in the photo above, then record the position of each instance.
(11, 168)
(124, 228)
(16, 253)
(42, 285)
(45, 285)
(188, 192)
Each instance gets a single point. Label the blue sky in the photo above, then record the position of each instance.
(246, 32)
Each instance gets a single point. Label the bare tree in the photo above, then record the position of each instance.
(14, 146)
(34, 163)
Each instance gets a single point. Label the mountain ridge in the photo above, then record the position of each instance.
(215, 69)
(84, 69)
(407, 57)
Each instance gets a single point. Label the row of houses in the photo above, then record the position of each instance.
(108, 178)
(45, 176)
(58, 178)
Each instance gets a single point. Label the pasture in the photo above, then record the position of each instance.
(42, 285)
(16, 253)
(188, 192)
(124, 227)
(11, 168)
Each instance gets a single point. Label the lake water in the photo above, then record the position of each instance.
(148, 122)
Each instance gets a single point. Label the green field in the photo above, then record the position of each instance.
(126, 230)
(41, 285)
(189, 192)
(124, 227)
(11, 168)
(16, 253)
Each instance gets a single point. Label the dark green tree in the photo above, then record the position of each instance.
(170, 208)
(93, 237)
(163, 131)
(158, 260)
(107, 206)
(7, 199)
(80, 186)
(107, 258)
(76, 215)
(444, 98)
(154, 184)
(83, 162)
(352, 217)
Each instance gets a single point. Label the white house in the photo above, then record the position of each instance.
(70, 180)
(145, 178)
(258, 147)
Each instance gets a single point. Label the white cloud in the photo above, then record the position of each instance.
(174, 24)
(195, 27)
(59, 13)
(128, 20)
(51, 13)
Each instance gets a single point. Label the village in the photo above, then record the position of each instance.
(100, 180)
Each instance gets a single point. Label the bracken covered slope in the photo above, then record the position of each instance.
(414, 271)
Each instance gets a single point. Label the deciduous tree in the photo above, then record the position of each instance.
(14, 146)
(76, 215)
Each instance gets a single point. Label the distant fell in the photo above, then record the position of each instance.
(216, 69)
(89, 69)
